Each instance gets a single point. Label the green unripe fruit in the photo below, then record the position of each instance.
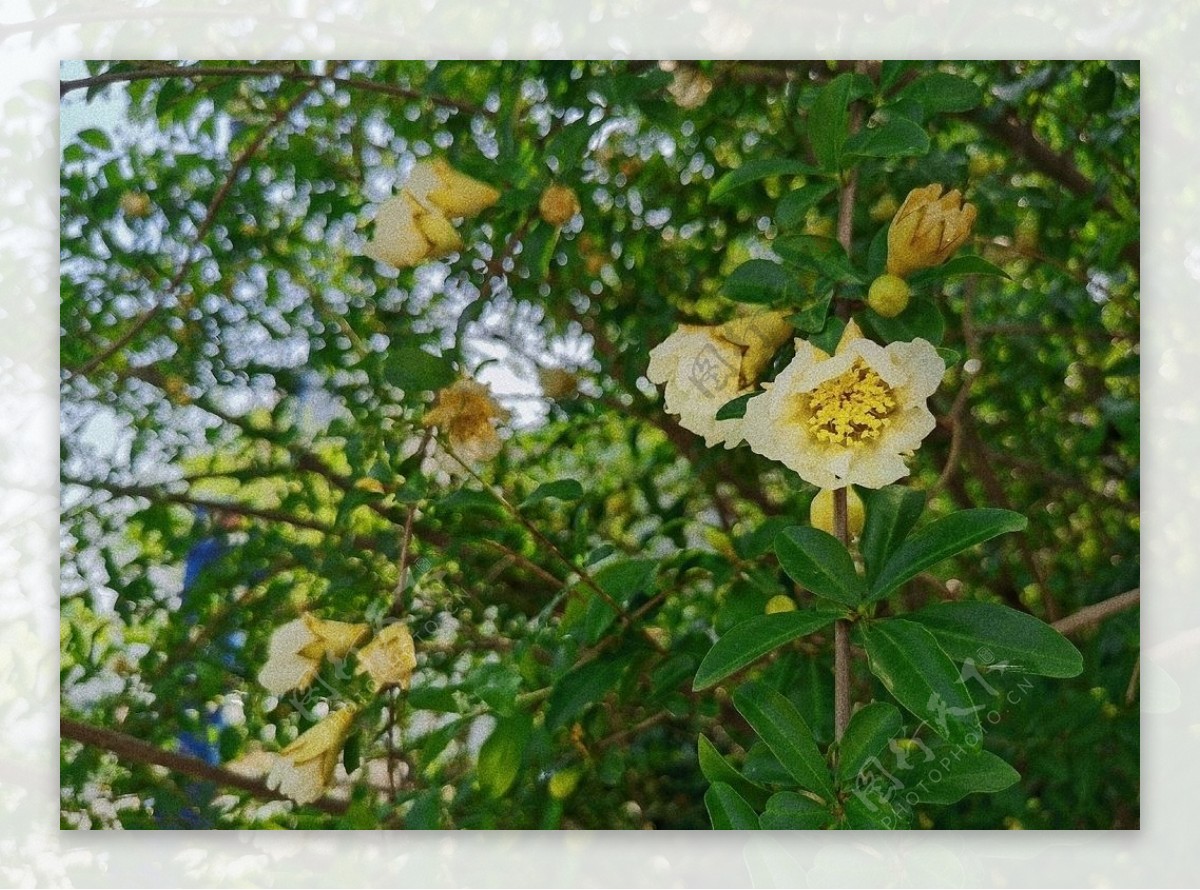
(564, 782)
(888, 295)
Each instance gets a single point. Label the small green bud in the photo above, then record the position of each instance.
(888, 295)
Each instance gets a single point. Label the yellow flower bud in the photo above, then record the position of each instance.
(888, 295)
(780, 603)
(558, 205)
(928, 228)
(820, 512)
(135, 204)
(820, 227)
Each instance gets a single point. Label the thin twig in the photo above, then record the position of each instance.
(1097, 612)
(206, 224)
(193, 72)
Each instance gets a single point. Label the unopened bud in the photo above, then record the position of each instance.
(888, 295)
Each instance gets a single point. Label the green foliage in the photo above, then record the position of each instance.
(587, 606)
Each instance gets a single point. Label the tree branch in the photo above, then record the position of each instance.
(194, 72)
(126, 747)
(1097, 612)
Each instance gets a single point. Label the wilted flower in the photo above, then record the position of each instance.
(704, 367)
(414, 226)
(135, 204)
(558, 205)
(927, 229)
(557, 383)
(690, 87)
(297, 648)
(305, 768)
(850, 418)
(467, 414)
(389, 658)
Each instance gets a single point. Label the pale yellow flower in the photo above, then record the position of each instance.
(414, 226)
(305, 768)
(847, 419)
(389, 658)
(558, 205)
(297, 649)
(927, 229)
(467, 414)
(703, 367)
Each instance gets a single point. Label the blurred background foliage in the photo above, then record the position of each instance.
(242, 393)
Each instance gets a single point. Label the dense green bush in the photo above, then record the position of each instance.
(614, 625)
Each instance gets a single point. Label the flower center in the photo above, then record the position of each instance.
(851, 408)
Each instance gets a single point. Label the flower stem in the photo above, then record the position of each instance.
(841, 632)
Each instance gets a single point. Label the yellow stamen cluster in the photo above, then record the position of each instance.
(851, 408)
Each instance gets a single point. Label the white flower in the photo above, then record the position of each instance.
(705, 367)
(297, 648)
(389, 658)
(850, 418)
(305, 768)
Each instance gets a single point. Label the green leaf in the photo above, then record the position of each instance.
(794, 206)
(993, 635)
(953, 773)
(891, 71)
(891, 513)
(870, 729)
(560, 489)
(761, 281)
(876, 814)
(622, 580)
(828, 123)
(95, 137)
(813, 313)
(877, 253)
(1100, 91)
(897, 138)
(752, 171)
(750, 640)
(715, 768)
(789, 810)
(967, 264)
(821, 563)
(352, 752)
(415, 370)
(922, 319)
(824, 256)
(942, 539)
(728, 811)
(784, 731)
(582, 687)
(938, 92)
(735, 408)
(501, 755)
(907, 660)
(950, 356)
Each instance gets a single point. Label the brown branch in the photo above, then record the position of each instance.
(193, 72)
(126, 747)
(156, 494)
(1097, 612)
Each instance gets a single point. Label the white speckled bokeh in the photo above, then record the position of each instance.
(34, 36)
